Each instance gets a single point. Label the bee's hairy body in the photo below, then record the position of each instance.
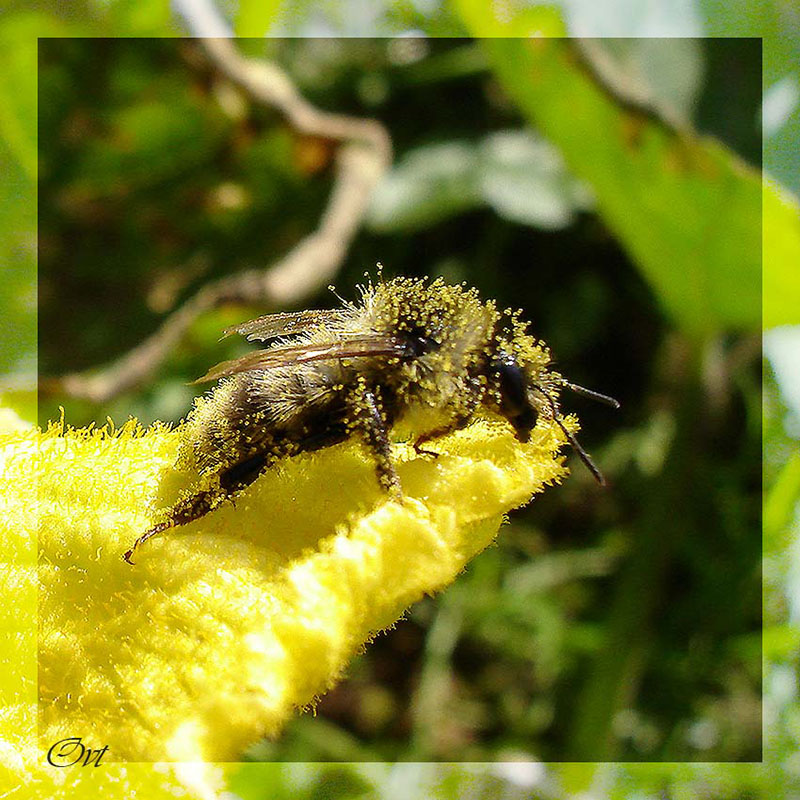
(328, 376)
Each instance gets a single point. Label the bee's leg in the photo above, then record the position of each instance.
(458, 422)
(427, 437)
(372, 423)
(459, 419)
(184, 511)
(188, 509)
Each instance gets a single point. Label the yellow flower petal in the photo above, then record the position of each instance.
(24, 769)
(227, 625)
(25, 773)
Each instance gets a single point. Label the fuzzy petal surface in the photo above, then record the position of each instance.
(225, 627)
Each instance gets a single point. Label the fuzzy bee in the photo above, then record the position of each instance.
(325, 376)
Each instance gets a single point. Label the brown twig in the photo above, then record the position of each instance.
(361, 160)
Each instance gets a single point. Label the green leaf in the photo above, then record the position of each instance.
(779, 30)
(781, 234)
(141, 18)
(779, 506)
(18, 168)
(520, 176)
(487, 19)
(430, 184)
(256, 17)
(524, 179)
(668, 71)
(781, 642)
(149, 141)
(686, 208)
(18, 85)
(17, 268)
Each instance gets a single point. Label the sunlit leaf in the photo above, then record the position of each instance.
(781, 236)
(497, 19)
(18, 84)
(142, 18)
(668, 72)
(777, 24)
(632, 18)
(520, 176)
(430, 184)
(255, 17)
(686, 208)
(524, 179)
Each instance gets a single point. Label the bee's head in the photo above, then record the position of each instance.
(523, 387)
(514, 393)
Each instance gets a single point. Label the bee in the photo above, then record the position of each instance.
(325, 376)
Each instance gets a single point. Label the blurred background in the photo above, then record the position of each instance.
(607, 625)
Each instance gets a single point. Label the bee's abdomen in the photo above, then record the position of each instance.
(313, 431)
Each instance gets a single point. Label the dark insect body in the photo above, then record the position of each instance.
(326, 376)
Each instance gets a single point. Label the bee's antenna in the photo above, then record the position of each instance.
(584, 456)
(590, 393)
(576, 445)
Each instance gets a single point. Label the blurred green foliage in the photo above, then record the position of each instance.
(17, 211)
(607, 625)
(521, 177)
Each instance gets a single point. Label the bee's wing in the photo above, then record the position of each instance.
(285, 324)
(287, 355)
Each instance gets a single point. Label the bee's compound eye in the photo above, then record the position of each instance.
(513, 385)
